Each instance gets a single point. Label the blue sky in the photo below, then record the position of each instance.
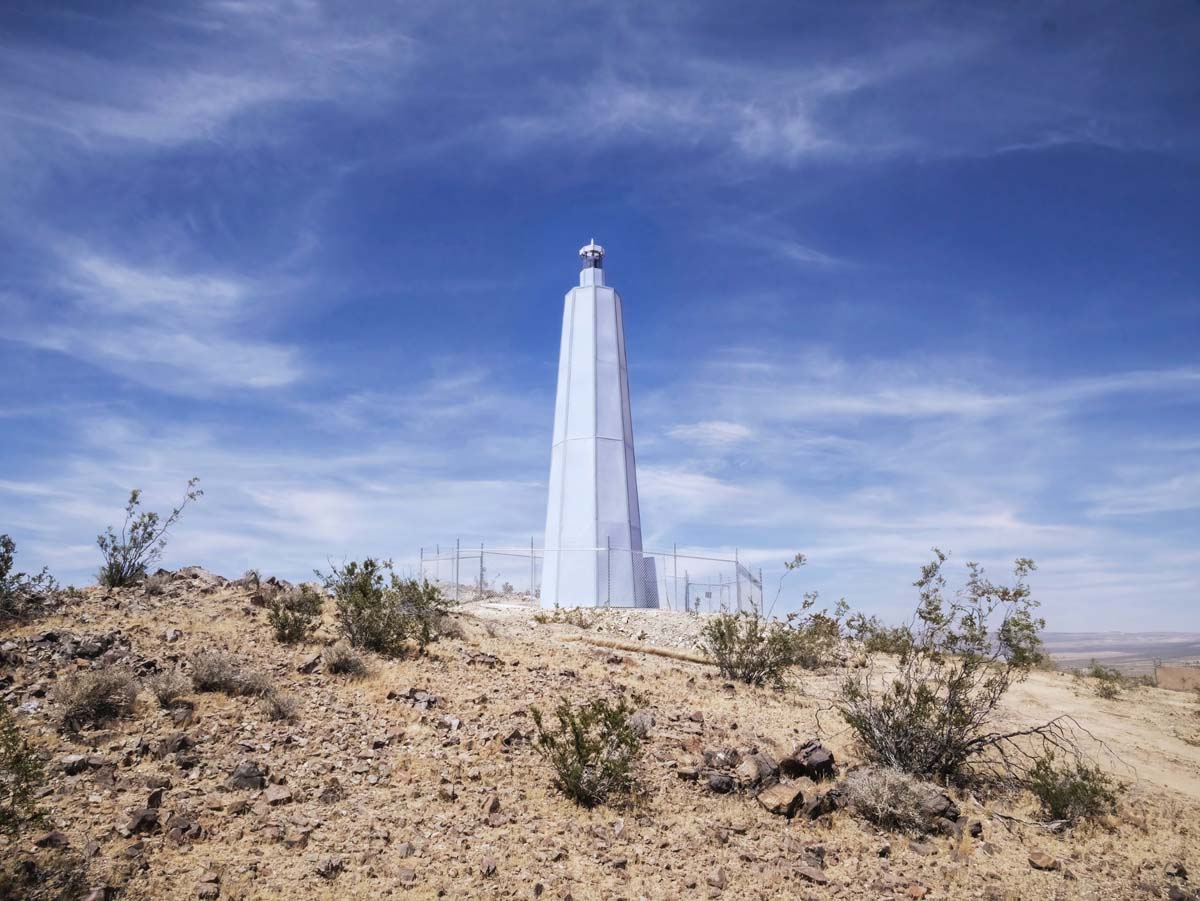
(895, 276)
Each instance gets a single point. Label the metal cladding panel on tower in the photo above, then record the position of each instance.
(593, 505)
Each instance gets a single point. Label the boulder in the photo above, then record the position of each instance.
(757, 769)
(247, 775)
(721, 783)
(811, 760)
(786, 798)
(1040, 860)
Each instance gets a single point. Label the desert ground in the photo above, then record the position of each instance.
(419, 779)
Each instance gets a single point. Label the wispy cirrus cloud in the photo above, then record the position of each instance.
(171, 330)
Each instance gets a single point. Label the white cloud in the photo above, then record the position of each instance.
(172, 331)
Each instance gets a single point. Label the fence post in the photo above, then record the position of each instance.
(457, 549)
(675, 574)
(421, 565)
(531, 594)
(481, 570)
(761, 587)
(737, 580)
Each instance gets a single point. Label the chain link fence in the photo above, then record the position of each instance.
(672, 580)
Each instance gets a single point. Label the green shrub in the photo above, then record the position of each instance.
(141, 541)
(93, 697)
(21, 775)
(875, 637)
(1109, 683)
(1071, 792)
(593, 750)
(20, 591)
(378, 611)
(817, 636)
(747, 647)
(295, 613)
(342, 660)
(931, 717)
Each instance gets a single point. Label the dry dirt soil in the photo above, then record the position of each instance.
(372, 794)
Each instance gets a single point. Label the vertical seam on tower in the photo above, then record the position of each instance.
(562, 492)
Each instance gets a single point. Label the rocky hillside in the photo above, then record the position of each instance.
(419, 779)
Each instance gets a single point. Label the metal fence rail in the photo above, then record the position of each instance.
(693, 582)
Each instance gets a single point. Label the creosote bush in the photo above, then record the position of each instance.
(875, 637)
(141, 541)
(749, 648)
(93, 697)
(294, 614)
(1071, 792)
(342, 660)
(931, 717)
(592, 749)
(378, 611)
(167, 687)
(21, 775)
(890, 798)
(758, 650)
(19, 592)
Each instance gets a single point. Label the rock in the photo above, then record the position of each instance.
(487, 867)
(175, 743)
(784, 799)
(208, 891)
(720, 783)
(491, 804)
(74, 764)
(812, 874)
(717, 878)
(144, 819)
(172, 635)
(331, 791)
(811, 760)
(975, 828)
(53, 839)
(916, 890)
(330, 867)
(278, 794)
(757, 769)
(183, 830)
(155, 798)
(1040, 860)
(309, 664)
(923, 848)
(720, 758)
(1176, 870)
(247, 775)
(641, 723)
(937, 805)
(688, 773)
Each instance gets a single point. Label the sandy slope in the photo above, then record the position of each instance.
(411, 820)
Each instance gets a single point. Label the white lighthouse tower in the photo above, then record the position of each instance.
(593, 524)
